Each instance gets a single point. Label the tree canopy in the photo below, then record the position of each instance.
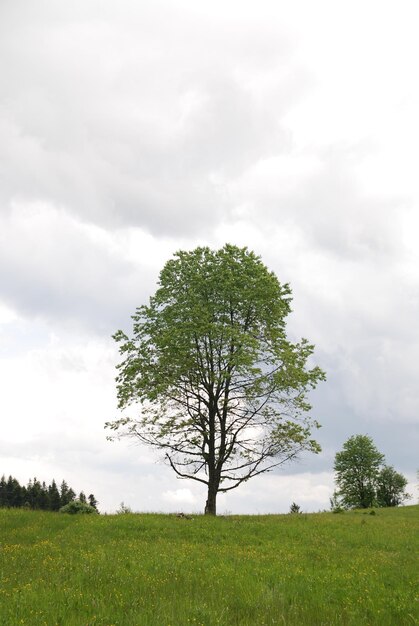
(362, 478)
(391, 487)
(218, 386)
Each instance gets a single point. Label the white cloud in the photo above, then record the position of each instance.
(179, 496)
(7, 315)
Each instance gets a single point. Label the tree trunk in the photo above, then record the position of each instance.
(211, 503)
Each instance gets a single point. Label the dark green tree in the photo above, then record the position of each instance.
(219, 387)
(34, 494)
(295, 508)
(391, 487)
(54, 497)
(44, 503)
(356, 472)
(92, 501)
(38, 495)
(3, 491)
(66, 494)
(14, 493)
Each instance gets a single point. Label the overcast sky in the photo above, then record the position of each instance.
(130, 130)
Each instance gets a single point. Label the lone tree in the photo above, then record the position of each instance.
(219, 388)
(362, 479)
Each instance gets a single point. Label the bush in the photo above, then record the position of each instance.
(76, 506)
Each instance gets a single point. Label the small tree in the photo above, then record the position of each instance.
(356, 468)
(295, 508)
(92, 501)
(391, 487)
(220, 388)
(123, 509)
(362, 479)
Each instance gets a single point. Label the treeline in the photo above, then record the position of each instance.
(37, 495)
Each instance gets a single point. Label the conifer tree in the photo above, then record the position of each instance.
(92, 501)
(54, 496)
(13, 492)
(37, 495)
(66, 494)
(3, 491)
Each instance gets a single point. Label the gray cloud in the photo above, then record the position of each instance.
(56, 268)
(317, 192)
(140, 120)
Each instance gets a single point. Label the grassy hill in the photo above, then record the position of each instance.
(125, 570)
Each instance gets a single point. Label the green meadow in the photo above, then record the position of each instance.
(125, 570)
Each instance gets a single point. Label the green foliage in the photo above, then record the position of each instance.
(356, 468)
(77, 506)
(391, 487)
(219, 388)
(156, 570)
(362, 479)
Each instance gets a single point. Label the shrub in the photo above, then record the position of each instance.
(76, 506)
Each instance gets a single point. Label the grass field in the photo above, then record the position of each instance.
(126, 570)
